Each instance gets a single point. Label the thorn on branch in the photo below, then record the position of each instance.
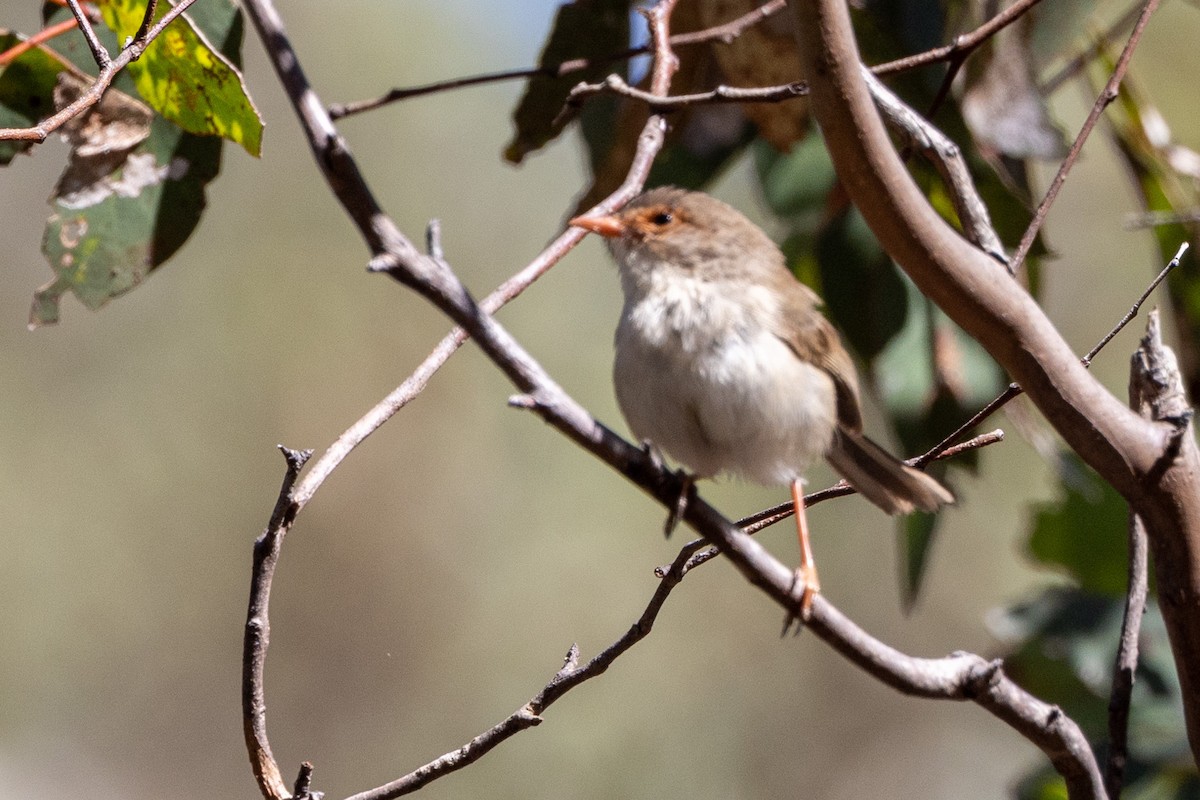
(570, 661)
(303, 786)
(523, 401)
(433, 239)
(982, 678)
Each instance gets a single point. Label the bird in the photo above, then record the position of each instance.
(725, 362)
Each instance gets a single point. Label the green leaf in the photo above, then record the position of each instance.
(1064, 645)
(1042, 784)
(796, 184)
(104, 238)
(588, 29)
(917, 532)
(26, 91)
(862, 287)
(184, 78)
(1084, 533)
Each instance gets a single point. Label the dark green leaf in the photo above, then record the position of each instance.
(917, 532)
(588, 29)
(105, 238)
(1084, 533)
(796, 184)
(862, 287)
(26, 91)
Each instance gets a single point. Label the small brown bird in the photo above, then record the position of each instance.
(724, 361)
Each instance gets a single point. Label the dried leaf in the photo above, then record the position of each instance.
(590, 29)
(763, 55)
(1001, 103)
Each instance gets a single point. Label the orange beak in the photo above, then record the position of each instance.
(607, 225)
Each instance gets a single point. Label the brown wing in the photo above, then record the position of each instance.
(813, 339)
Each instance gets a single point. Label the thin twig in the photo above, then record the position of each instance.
(99, 52)
(147, 20)
(92, 95)
(957, 51)
(767, 517)
(1125, 666)
(725, 33)
(1102, 102)
(615, 84)
(570, 676)
(1137, 306)
(258, 632)
(1014, 391)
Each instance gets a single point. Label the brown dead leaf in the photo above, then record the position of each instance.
(763, 55)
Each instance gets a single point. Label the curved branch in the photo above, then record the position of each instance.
(973, 289)
(958, 677)
(1150, 463)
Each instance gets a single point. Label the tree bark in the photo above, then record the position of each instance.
(1149, 462)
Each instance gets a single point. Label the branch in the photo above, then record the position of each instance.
(266, 769)
(961, 48)
(1106, 97)
(724, 33)
(571, 675)
(1014, 391)
(1125, 667)
(616, 85)
(1148, 462)
(258, 632)
(99, 53)
(960, 677)
(947, 159)
(131, 52)
(768, 517)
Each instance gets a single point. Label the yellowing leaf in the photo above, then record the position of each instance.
(186, 80)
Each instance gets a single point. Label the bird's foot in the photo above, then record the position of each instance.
(681, 503)
(806, 575)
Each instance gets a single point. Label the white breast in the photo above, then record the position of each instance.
(705, 380)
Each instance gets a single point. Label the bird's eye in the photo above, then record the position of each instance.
(662, 218)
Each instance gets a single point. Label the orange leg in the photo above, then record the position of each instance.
(807, 571)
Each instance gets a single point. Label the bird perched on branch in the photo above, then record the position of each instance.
(725, 362)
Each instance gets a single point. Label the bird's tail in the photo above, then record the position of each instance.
(881, 478)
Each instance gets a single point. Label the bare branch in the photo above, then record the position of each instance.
(92, 95)
(947, 159)
(724, 33)
(528, 715)
(1014, 391)
(1125, 666)
(615, 84)
(258, 633)
(961, 48)
(768, 517)
(99, 53)
(1102, 102)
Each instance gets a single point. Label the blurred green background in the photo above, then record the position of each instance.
(439, 576)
